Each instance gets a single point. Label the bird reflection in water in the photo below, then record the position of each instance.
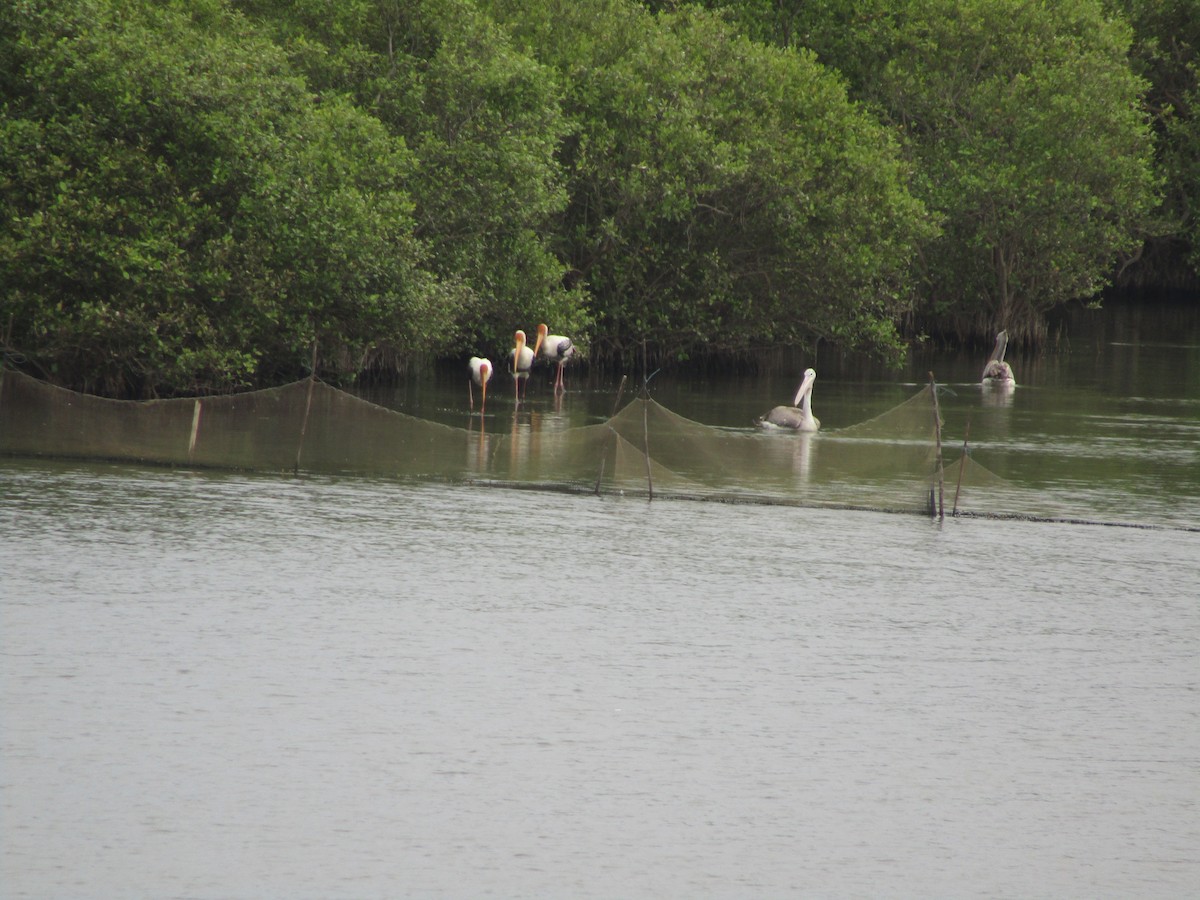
(803, 450)
(478, 446)
(785, 450)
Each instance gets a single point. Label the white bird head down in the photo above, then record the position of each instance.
(522, 356)
(481, 373)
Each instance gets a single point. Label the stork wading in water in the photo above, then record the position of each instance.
(557, 349)
(521, 358)
(799, 415)
(998, 373)
(481, 373)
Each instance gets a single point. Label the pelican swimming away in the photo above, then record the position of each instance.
(555, 348)
(998, 373)
(481, 374)
(799, 415)
(521, 358)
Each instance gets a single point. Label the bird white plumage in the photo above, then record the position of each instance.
(798, 416)
(481, 373)
(557, 349)
(521, 358)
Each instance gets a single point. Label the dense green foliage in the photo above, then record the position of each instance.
(180, 212)
(484, 124)
(1028, 113)
(1166, 51)
(199, 195)
(1025, 125)
(723, 194)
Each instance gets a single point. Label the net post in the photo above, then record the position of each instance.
(646, 421)
(195, 429)
(312, 380)
(646, 443)
(937, 430)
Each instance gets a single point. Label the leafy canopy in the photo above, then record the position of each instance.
(180, 211)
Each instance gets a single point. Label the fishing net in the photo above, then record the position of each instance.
(890, 462)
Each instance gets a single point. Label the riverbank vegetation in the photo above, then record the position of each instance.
(212, 194)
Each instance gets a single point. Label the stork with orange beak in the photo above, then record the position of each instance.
(481, 374)
(522, 362)
(555, 348)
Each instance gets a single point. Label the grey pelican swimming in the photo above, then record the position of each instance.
(521, 358)
(998, 373)
(481, 374)
(798, 416)
(557, 349)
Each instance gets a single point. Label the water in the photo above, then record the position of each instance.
(223, 685)
(1103, 428)
(228, 686)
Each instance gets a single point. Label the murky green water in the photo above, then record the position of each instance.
(1104, 427)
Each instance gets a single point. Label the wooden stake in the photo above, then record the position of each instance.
(937, 430)
(646, 443)
(312, 380)
(195, 429)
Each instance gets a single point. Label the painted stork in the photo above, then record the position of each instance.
(481, 374)
(799, 415)
(521, 358)
(557, 349)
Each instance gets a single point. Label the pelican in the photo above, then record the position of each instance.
(799, 415)
(554, 348)
(481, 374)
(522, 361)
(998, 373)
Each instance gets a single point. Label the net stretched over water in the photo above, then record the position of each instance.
(891, 462)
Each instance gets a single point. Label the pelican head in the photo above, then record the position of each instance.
(806, 386)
